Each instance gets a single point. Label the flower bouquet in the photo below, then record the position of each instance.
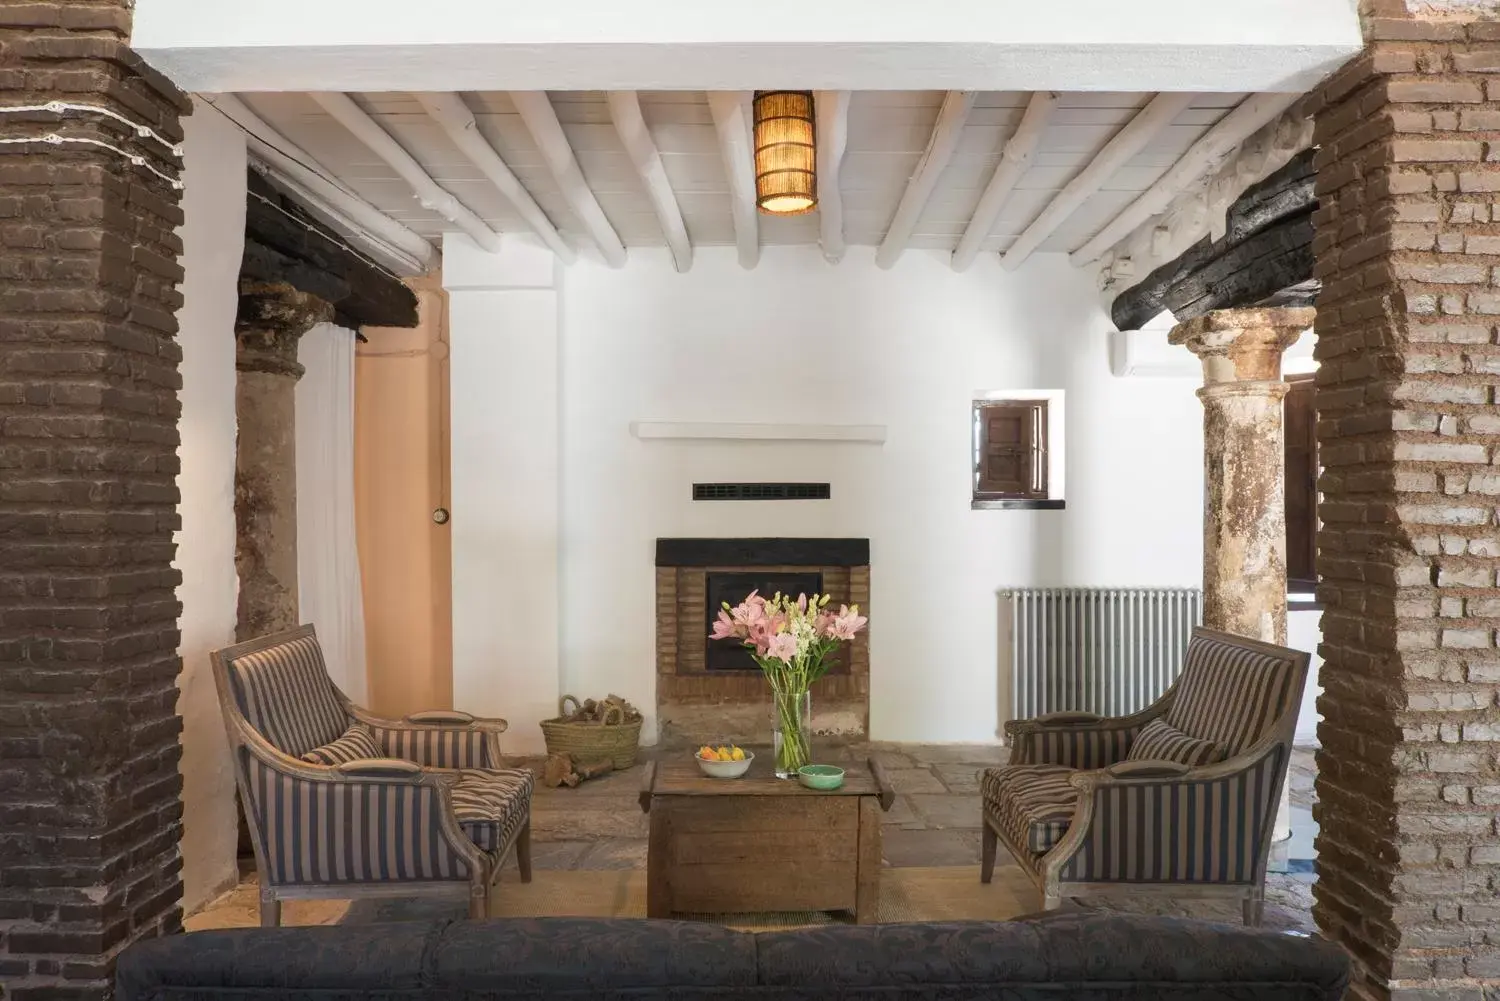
(791, 639)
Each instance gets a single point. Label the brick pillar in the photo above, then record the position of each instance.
(1408, 249)
(1244, 466)
(271, 321)
(90, 815)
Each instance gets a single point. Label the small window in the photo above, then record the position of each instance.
(1013, 457)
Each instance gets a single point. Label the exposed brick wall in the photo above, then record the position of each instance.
(89, 807)
(1408, 248)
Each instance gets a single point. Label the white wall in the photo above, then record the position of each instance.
(799, 340)
(503, 317)
(213, 243)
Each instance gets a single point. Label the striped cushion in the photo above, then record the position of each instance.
(1160, 741)
(1084, 748)
(453, 746)
(357, 743)
(492, 804)
(1231, 694)
(1033, 803)
(286, 695)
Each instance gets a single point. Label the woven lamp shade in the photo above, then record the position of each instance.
(786, 177)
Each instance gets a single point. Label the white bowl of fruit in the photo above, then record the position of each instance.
(725, 761)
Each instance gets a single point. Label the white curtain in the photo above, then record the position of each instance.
(328, 582)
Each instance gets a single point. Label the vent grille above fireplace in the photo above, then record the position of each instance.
(760, 491)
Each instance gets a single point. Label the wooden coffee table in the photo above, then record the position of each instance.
(759, 843)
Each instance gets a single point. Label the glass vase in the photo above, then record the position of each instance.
(791, 725)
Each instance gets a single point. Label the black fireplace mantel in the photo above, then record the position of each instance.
(762, 552)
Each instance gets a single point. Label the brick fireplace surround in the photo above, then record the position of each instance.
(695, 705)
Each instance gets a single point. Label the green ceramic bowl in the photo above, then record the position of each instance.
(821, 776)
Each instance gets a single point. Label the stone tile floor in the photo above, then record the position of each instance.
(935, 820)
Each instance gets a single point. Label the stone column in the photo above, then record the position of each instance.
(271, 320)
(1408, 251)
(1244, 503)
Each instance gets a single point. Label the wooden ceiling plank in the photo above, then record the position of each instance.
(1126, 143)
(832, 111)
(457, 121)
(431, 194)
(731, 114)
(625, 109)
(1212, 147)
(535, 108)
(1015, 159)
(940, 147)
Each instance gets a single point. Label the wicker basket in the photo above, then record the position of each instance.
(613, 738)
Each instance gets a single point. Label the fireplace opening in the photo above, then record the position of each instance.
(730, 654)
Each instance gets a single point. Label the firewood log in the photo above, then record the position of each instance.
(593, 769)
(558, 769)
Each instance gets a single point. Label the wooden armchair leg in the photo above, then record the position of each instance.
(1254, 907)
(270, 912)
(987, 856)
(523, 852)
(479, 900)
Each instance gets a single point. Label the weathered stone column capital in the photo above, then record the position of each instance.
(1260, 389)
(272, 318)
(1243, 345)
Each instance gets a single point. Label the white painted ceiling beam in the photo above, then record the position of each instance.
(1015, 158)
(459, 45)
(296, 166)
(945, 133)
(831, 108)
(457, 121)
(731, 115)
(429, 193)
(625, 110)
(541, 120)
(1212, 147)
(1124, 145)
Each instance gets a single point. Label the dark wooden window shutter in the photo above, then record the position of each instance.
(1300, 420)
(1011, 450)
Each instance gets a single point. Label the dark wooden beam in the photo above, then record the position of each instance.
(286, 243)
(1265, 255)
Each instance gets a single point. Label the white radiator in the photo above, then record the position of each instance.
(1110, 651)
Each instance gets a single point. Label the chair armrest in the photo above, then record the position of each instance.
(1172, 801)
(439, 716)
(438, 738)
(380, 768)
(1074, 743)
(1146, 769)
(1069, 719)
(432, 719)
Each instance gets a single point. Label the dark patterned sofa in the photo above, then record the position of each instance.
(1090, 956)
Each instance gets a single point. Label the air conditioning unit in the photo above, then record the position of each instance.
(1145, 354)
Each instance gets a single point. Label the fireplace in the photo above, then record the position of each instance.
(733, 588)
(711, 690)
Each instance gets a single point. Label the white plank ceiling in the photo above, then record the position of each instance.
(887, 134)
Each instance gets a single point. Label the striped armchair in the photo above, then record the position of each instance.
(341, 803)
(1181, 797)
